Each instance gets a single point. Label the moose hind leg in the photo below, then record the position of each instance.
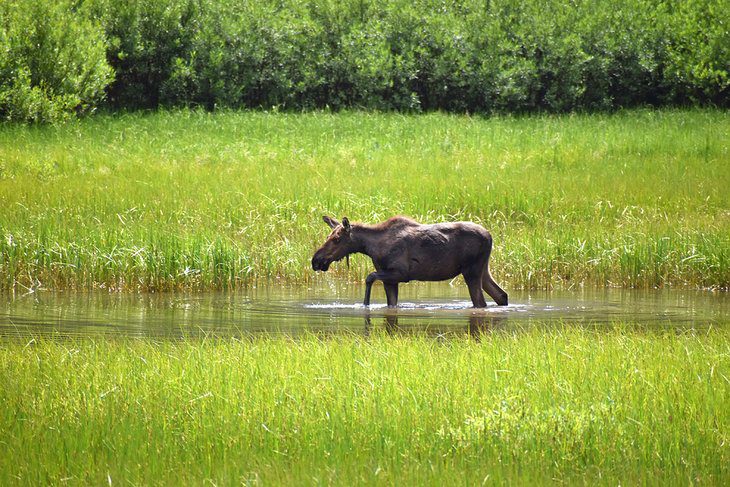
(475, 290)
(492, 288)
(391, 293)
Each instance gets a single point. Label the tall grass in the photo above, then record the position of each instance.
(611, 406)
(189, 199)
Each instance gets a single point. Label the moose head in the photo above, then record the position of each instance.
(339, 244)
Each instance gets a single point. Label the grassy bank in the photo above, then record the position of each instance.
(608, 406)
(197, 200)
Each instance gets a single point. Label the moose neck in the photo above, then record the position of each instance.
(365, 239)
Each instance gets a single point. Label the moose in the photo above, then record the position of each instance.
(404, 250)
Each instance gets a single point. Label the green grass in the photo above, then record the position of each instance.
(610, 405)
(196, 200)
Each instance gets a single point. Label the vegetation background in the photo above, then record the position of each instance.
(64, 57)
(164, 194)
(181, 199)
(193, 200)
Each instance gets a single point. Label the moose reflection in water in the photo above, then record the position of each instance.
(403, 250)
(477, 325)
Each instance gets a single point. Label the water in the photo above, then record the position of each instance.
(335, 307)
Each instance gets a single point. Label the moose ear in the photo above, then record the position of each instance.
(346, 224)
(330, 221)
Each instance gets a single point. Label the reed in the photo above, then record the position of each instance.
(197, 200)
(614, 404)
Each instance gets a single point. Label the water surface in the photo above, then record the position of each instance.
(335, 307)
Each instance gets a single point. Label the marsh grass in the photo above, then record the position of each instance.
(613, 404)
(189, 199)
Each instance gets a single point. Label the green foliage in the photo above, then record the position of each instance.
(526, 406)
(194, 200)
(148, 41)
(52, 61)
(476, 56)
(698, 52)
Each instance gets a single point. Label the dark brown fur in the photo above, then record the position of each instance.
(403, 250)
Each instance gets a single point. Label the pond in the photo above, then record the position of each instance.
(333, 306)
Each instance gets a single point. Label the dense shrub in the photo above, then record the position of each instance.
(148, 40)
(472, 55)
(52, 61)
(698, 50)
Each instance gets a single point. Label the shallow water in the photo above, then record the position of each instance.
(335, 307)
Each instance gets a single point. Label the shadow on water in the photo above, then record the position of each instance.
(334, 308)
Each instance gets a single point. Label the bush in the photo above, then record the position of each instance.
(698, 51)
(147, 39)
(480, 56)
(476, 56)
(52, 61)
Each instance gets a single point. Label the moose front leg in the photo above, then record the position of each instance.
(389, 278)
(391, 293)
(372, 277)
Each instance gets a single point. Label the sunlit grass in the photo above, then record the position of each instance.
(197, 200)
(612, 405)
